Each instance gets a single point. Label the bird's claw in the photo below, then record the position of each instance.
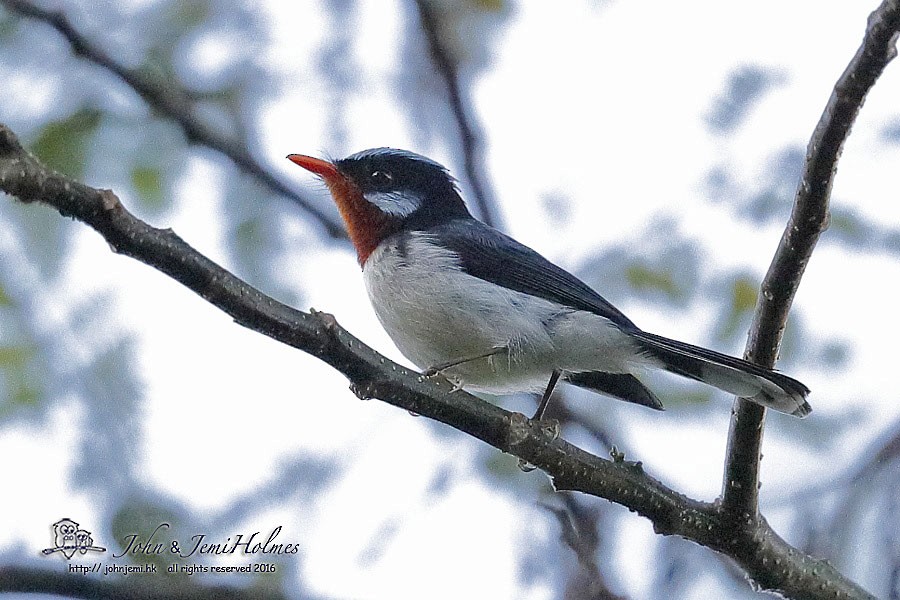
(550, 428)
(432, 372)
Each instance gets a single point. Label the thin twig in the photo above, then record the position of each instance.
(768, 559)
(169, 100)
(578, 531)
(808, 219)
(445, 63)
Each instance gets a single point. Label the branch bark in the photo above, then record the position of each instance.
(808, 219)
(175, 103)
(771, 562)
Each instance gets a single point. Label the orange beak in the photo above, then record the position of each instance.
(322, 168)
(363, 221)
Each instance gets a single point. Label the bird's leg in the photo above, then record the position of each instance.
(549, 428)
(545, 399)
(439, 369)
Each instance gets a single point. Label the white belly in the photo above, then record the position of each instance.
(436, 314)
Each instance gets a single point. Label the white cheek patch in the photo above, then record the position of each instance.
(396, 204)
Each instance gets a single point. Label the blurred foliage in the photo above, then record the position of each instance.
(14, 365)
(148, 183)
(64, 144)
(467, 33)
(737, 292)
(92, 127)
(665, 270)
(769, 199)
(469, 29)
(891, 132)
(140, 518)
(22, 388)
(8, 25)
(40, 230)
(856, 514)
(642, 277)
(145, 161)
(98, 129)
(190, 14)
(488, 5)
(746, 86)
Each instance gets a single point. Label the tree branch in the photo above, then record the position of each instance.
(771, 562)
(469, 138)
(578, 531)
(173, 102)
(809, 218)
(73, 585)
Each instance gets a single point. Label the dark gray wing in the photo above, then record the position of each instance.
(490, 255)
(623, 386)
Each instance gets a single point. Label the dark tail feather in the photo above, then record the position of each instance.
(734, 375)
(623, 386)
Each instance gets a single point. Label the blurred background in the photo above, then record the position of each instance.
(652, 148)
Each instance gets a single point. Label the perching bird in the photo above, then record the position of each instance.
(464, 300)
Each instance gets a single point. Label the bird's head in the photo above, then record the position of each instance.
(384, 190)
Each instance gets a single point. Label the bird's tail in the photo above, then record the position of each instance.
(733, 375)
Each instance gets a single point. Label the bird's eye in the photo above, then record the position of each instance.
(381, 177)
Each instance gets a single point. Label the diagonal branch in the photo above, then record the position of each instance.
(176, 104)
(808, 219)
(768, 559)
(468, 129)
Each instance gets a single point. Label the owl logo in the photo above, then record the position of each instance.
(83, 540)
(69, 538)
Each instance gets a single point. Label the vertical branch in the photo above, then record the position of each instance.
(469, 137)
(808, 219)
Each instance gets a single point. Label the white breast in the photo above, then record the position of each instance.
(436, 313)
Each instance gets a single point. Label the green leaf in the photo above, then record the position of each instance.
(248, 232)
(743, 296)
(8, 26)
(147, 181)
(63, 145)
(13, 363)
(5, 300)
(190, 14)
(744, 292)
(642, 277)
(488, 5)
(15, 356)
(150, 522)
(26, 396)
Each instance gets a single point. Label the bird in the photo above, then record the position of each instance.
(463, 300)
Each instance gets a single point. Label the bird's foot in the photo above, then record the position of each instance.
(550, 428)
(432, 372)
